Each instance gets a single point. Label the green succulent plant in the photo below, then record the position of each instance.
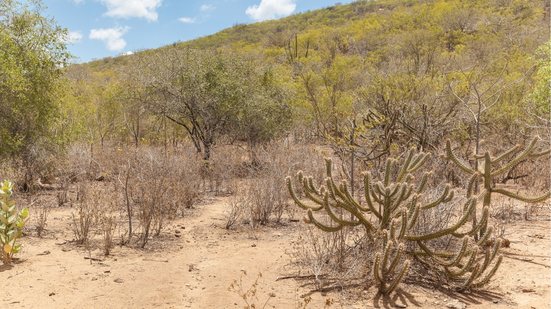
(12, 222)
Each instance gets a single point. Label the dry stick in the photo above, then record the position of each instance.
(128, 209)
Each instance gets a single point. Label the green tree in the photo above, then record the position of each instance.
(32, 55)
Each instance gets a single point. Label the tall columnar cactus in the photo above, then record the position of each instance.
(493, 167)
(12, 222)
(390, 217)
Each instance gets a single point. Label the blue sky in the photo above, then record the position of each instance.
(101, 28)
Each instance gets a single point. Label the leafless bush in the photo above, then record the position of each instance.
(157, 188)
(249, 295)
(266, 200)
(225, 165)
(108, 225)
(42, 219)
(329, 259)
(85, 216)
(235, 210)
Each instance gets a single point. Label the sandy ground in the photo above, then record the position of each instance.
(196, 260)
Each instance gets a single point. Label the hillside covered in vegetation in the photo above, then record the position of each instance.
(418, 69)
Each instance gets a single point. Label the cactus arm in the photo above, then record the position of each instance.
(396, 258)
(478, 226)
(470, 186)
(446, 231)
(394, 284)
(386, 255)
(451, 156)
(418, 162)
(310, 185)
(539, 154)
(297, 200)
(321, 226)
(465, 268)
(533, 200)
(404, 168)
(482, 241)
(348, 199)
(388, 171)
(446, 195)
(529, 149)
(452, 261)
(490, 274)
(413, 217)
(506, 154)
(367, 192)
(404, 225)
(490, 256)
(377, 273)
(423, 182)
(336, 218)
(474, 274)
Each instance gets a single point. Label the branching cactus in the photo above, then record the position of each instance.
(12, 222)
(493, 167)
(390, 216)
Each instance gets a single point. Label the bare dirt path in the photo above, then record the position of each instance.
(194, 269)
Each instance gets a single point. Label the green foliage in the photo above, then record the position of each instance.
(12, 222)
(392, 219)
(541, 94)
(416, 65)
(32, 55)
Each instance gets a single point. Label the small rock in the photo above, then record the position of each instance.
(528, 290)
(400, 306)
(253, 245)
(51, 294)
(106, 271)
(456, 305)
(118, 280)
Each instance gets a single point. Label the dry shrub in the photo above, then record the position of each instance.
(85, 217)
(157, 188)
(235, 210)
(108, 225)
(264, 198)
(330, 259)
(226, 164)
(42, 219)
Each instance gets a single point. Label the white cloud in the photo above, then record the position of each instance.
(270, 9)
(207, 7)
(128, 53)
(73, 37)
(187, 20)
(77, 1)
(133, 8)
(112, 37)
